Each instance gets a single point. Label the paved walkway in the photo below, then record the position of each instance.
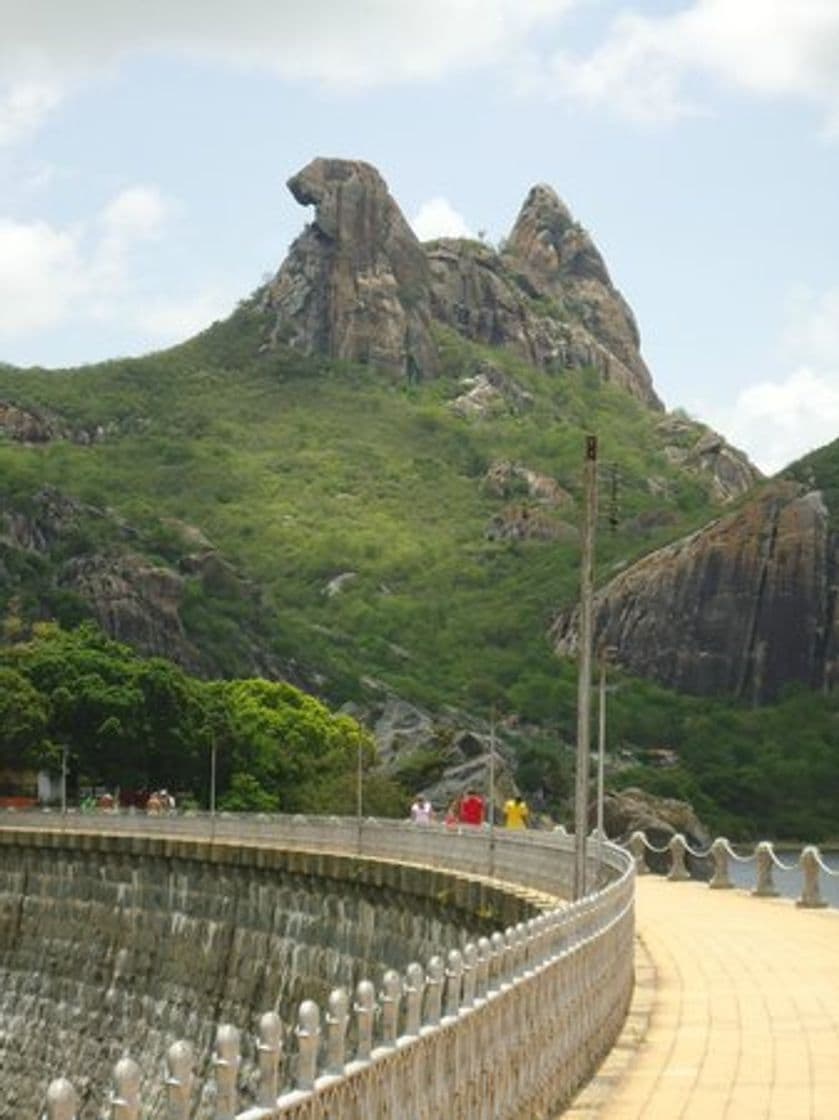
(736, 1013)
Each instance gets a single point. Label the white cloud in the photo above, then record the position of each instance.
(777, 420)
(368, 41)
(50, 276)
(24, 106)
(176, 319)
(438, 218)
(42, 275)
(766, 48)
(136, 213)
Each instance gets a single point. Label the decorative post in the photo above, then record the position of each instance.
(308, 1044)
(364, 1007)
(765, 864)
(226, 1061)
(180, 1060)
(337, 1019)
(61, 1100)
(496, 970)
(811, 895)
(454, 979)
(414, 988)
(720, 880)
(125, 1100)
(390, 999)
(470, 964)
(638, 848)
(434, 991)
(678, 871)
(484, 960)
(269, 1051)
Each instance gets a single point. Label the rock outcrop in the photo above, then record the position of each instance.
(561, 263)
(660, 819)
(355, 284)
(700, 450)
(94, 558)
(741, 607)
(358, 285)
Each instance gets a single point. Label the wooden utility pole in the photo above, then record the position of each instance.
(584, 680)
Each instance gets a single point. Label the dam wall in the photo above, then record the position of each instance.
(506, 1025)
(115, 943)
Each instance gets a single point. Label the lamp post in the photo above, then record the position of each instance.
(213, 786)
(584, 678)
(491, 805)
(359, 793)
(64, 751)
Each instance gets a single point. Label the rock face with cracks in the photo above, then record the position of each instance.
(741, 607)
(358, 285)
(355, 284)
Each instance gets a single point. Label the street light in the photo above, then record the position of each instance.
(584, 673)
(213, 785)
(64, 751)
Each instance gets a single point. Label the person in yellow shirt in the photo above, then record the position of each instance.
(516, 813)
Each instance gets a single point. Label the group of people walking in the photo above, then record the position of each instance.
(470, 809)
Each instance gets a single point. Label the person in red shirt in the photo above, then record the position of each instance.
(472, 808)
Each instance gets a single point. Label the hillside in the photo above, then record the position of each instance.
(367, 481)
(293, 473)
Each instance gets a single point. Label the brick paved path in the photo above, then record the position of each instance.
(736, 1014)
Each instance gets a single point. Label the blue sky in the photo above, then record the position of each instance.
(144, 148)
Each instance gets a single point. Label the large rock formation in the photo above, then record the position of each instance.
(358, 285)
(355, 283)
(89, 562)
(697, 448)
(562, 263)
(743, 606)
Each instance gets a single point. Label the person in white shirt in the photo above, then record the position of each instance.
(421, 811)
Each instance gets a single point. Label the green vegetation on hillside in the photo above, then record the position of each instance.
(300, 471)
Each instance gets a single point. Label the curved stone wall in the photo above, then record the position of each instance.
(115, 943)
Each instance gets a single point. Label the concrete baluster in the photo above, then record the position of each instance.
(61, 1100)
(226, 1062)
(390, 1000)
(337, 1020)
(811, 895)
(308, 1044)
(180, 1061)
(765, 864)
(454, 981)
(638, 848)
(434, 991)
(721, 879)
(678, 869)
(470, 964)
(482, 972)
(414, 988)
(508, 961)
(523, 947)
(496, 968)
(364, 1008)
(125, 1100)
(269, 1052)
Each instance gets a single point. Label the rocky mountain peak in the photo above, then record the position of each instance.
(355, 283)
(546, 238)
(561, 262)
(358, 285)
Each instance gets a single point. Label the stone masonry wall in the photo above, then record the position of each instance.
(117, 943)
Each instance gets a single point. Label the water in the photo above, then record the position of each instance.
(788, 883)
